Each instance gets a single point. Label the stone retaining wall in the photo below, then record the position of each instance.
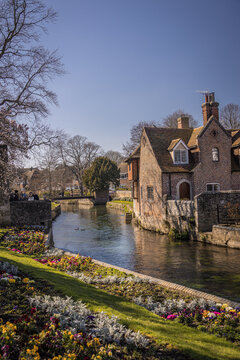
(226, 236)
(5, 218)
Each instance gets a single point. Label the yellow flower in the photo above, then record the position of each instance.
(25, 280)
(109, 353)
(11, 281)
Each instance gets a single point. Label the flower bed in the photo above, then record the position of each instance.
(169, 304)
(36, 324)
(25, 240)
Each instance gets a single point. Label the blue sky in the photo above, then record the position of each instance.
(138, 60)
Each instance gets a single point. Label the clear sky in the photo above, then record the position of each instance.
(137, 60)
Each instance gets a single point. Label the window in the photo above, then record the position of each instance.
(180, 157)
(123, 176)
(129, 166)
(215, 154)
(213, 188)
(150, 193)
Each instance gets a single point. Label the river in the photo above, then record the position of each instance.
(102, 233)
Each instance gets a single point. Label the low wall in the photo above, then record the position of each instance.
(5, 218)
(31, 213)
(120, 194)
(179, 213)
(226, 236)
(83, 201)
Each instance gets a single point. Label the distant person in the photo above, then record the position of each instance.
(23, 196)
(30, 197)
(35, 196)
(16, 196)
(11, 196)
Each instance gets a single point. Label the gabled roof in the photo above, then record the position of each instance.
(210, 120)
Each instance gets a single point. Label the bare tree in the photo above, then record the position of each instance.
(25, 68)
(171, 120)
(115, 156)
(136, 132)
(230, 116)
(48, 164)
(78, 154)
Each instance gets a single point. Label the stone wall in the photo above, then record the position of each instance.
(120, 194)
(5, 219)
(179, 213)
(31, 212)
(226, 236)
(211, 209)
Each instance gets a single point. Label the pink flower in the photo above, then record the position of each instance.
(171, 317)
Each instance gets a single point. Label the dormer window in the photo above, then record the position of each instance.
(179, 151)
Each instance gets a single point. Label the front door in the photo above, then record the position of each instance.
(184, 191)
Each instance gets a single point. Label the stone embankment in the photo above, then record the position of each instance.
(222, 235)
(56, 211)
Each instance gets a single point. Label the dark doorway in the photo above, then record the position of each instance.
(184, 191)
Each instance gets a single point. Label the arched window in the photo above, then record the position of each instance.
(215, 154)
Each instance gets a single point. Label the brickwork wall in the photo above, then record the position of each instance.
(235, 181)
(31, 212)
(174, 179)
(213, 172)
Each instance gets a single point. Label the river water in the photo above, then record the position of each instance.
(102, 234)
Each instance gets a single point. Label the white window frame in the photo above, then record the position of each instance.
(215, 154)
(213, 191)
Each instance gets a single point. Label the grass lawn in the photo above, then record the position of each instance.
(196, 343)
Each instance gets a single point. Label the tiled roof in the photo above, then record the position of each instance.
(163, 141)
(160, 140)
(193, 139)
(135, 154)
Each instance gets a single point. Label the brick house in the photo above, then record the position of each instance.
(179, 163)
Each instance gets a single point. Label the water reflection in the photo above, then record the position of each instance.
(102, 234)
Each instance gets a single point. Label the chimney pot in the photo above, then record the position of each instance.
(209, 108)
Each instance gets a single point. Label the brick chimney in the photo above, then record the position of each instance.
(183, 122)
(209, 108)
